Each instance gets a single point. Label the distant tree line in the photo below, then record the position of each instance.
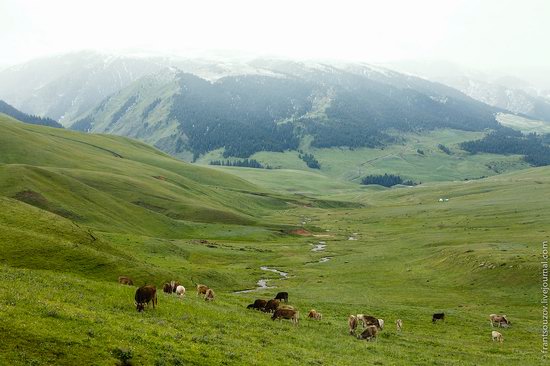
(310, 160)
(386, 180)
(533, 147)
(248, 163)
(27, 118)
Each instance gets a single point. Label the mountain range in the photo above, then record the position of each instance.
(190, 107)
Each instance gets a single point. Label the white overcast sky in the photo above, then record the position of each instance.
(503, 35)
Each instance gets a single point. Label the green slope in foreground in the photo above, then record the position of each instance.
(477, 253)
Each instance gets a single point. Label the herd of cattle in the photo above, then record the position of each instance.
(280, 309)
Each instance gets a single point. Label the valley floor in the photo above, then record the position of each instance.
(402, 254)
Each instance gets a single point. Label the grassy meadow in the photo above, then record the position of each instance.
(77, 211)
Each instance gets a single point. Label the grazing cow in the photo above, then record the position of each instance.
(499, 320)
(381, 323)
(258, 304)
(352, 323)
(286, 314)
(283, 296)
(313, 314)
(180, 290)
(438, 316)
(368, 320)
(167, 288)
(496, 336)
(271, 305)
(201, 289)
(125, 281)
(174, 285)
(145, 295)
(369, 333)
(209, 296)
(399, 325)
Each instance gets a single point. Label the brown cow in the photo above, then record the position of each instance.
(286, 314)
(368, 320)
(125, 281)
(209, 296)
(167, 288)
(314, 314)
(258, 304)
(271, 305)
(369, 333)
(201, 289)
(352, 323)
(145, 295)
(499, 320)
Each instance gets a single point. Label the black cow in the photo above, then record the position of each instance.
(145, 295)
(283, 296)
(438, 316)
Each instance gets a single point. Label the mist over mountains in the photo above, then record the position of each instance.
(190, 107)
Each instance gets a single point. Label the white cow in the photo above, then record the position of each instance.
(180, 290)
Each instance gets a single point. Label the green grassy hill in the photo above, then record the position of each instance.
(117, 184)
(70, 225)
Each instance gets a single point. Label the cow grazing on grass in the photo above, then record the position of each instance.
(438, 316)
(352, 323)
(369, 333)
(367, 320)
(167, 288)
(125, 281)
(180, 290)
(201, 289)
(314, 314)
(399, 325)
(496, 336)
(499, 320)
(282, 296)
(290, 314)
(145, 295)
(271, 305)
(174, 285)
(209, 296)
(258, 304)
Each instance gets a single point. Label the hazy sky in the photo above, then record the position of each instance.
(491, 34)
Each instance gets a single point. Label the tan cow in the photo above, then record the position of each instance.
(399, 325)
(314, 314)
(496, 336)
(352, 323)
(125, 281)
(201, 289)
(209, 296)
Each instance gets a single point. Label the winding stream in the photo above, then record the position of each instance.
(262, 283)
